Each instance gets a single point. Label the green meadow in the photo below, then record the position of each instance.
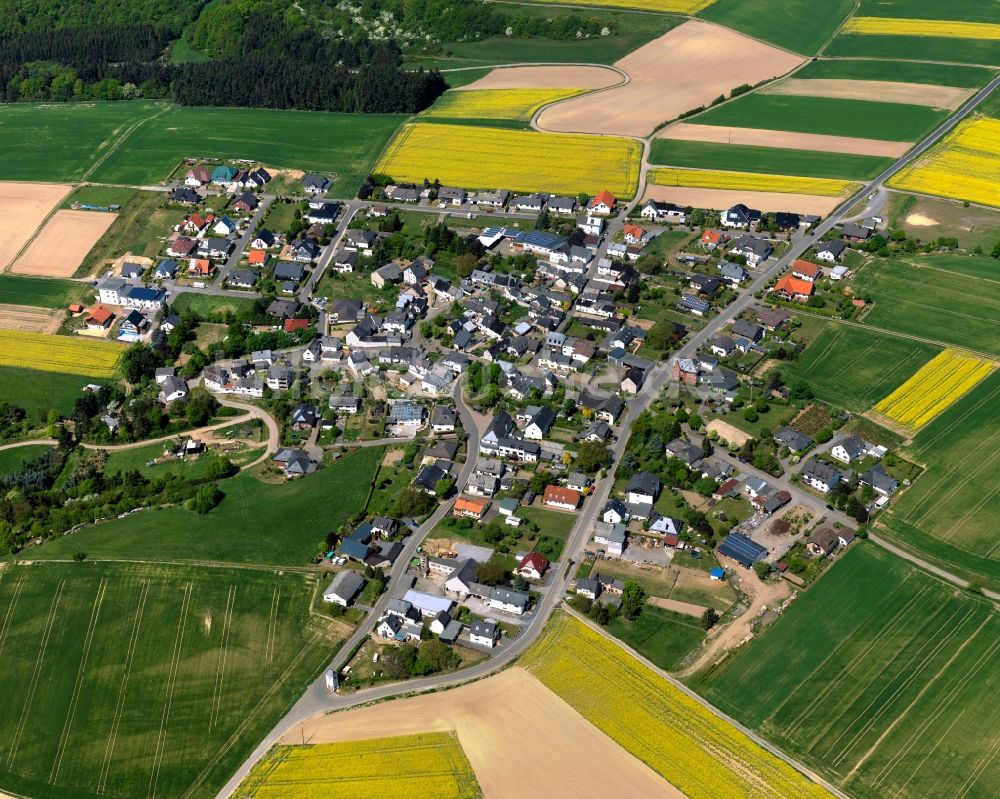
(42, 292)
(802, 26)
(901, 71)
(962, 51)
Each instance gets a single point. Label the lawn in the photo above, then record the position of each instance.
(555, 523)
(139, 458)
(146, 680)
(347, 144)
(140, 229)
(826, 115)
(854, 368)
(276, 524)
(39, 392)
(355, 285)
(209, 306)
(11, 460)
(773, 418)
(61, 141)
(875, 677)
(802, 26)
(951, 298)
(660, 635)
(949, 513)
(902, 71)
(962, 51)
(776, 160)
(98, 195)
(42, 292)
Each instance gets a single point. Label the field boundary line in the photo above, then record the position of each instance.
(168, 696)
(938, 436)
(977, 772)
(220, 669)
(33, 685)
(88, 639)
(973, 510)
(10, 611)
(891, 371)
(272, 626)
(912, 515)
(109, 749)
(903, 686)
(121, 140)
(959, 683)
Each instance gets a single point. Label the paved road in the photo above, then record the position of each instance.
(241, 245)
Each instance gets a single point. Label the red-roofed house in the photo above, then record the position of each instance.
(791, 288)
(197, 223)
(710, 239)
(603, 203)
(532, 566)
(258, 257)
(474, 508)
(634, 233)
(99, 318)
(292, 325)
(806, 270)
(562, 498)
(200, 267)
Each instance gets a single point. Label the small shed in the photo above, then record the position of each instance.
(718, 573)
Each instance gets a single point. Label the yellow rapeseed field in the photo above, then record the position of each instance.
(664, 6)
(694, 750)
(518, 104)
(426, 766)
(748, 181)
(76, 356)
(888, 26)
(936, 385)
(965, 165)
(517, 160)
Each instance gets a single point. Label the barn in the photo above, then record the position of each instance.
(742, 549)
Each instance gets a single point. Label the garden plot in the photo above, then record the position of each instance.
(23, 207)
(60, 247)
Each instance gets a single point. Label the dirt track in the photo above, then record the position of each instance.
(23, 206)
(720, 134)
(60, 247)
(885, 91)
(547, 77)
(685, 68)
(29, 319)
(494, 718)
(725, 198)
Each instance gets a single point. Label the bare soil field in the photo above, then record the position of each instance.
(685, 68)
(719, 134)
(885, 91)
(23, 206)
(29, 319)
(727, 432)
(547, 77)
(568, 757)
(920, 220)
(687, 608)
(60, 247)
(725, 198)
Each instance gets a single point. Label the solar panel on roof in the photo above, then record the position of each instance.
(742, 549)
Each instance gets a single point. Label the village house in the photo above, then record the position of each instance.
(805, 270)
(561, 498)
(792, 288)
(611, 536)
(344, 588)
(484, 632)
(603, 203)
(819, 475)
(471, 507)
(656, 211)
(643, 488)
(532, 566)
(830, 251)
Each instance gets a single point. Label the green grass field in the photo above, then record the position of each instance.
(877, 677)
(146, 680)
(902, 71)
(208, 306)
(347, 144)
(802, 26)
(61, 141)
(855, 368)
(949, 513)
(277, 524)
(11, 460)
(769, 160)
(137, 459)
(970, 10)
(863, 118)
(962, 51)
(955, 299)
(42, 292)
(99, 195)
(972, 226)
(660, 635)
(39, 392)
(991, 105)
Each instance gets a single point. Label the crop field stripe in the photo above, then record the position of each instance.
(892, 370)
(168, 694)
(33, 685)
(954, 486)
(958, 684)
(220, 670)
(18, 584)
(831, 685)
(272, 624)
(886, 703)
(975, 508)
(126, 673)
(837, 333)
(231, 741)
(931, 441)
(81, 671)
(977, 772)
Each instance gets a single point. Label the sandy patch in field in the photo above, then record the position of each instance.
(685, 68)
(885, 91)
(549, 77)
(920, 220)
(23, 206)
(60, 247)
(727, 432)
(720, 199)
(720, 134)
(686, 608)
(29, 319)
(494, 718)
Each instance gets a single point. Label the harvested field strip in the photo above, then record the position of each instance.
(965, 165)
(937, 384)
(707, 757)
(516, 104)
(563, 77)
(23, 207)
(63, 243)
(26, 318)
(747, 181)
(886, 91)
(720, 199)
(733, 135)
(58, 353)
(484, 158)
(937, 28)
(427, 766)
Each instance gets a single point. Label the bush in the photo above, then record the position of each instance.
(206, 498)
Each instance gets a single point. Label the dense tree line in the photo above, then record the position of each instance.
(17, 16)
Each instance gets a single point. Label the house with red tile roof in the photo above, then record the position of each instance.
(806, 270)
(792, 288)
(602, 203)
(532, 566)
(561, 498)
